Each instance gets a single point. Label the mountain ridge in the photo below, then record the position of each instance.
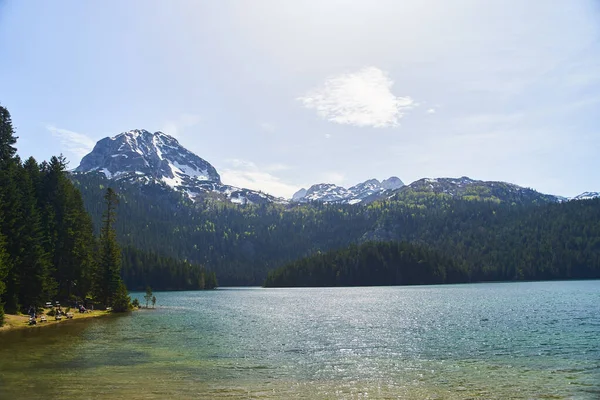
(142, 157)
(471, 189)
(363, 192)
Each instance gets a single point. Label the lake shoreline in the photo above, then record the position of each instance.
(14, 322)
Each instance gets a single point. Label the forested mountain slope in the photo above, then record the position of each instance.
(371, 264)
(499, 240)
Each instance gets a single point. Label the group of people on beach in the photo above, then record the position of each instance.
(58, 311)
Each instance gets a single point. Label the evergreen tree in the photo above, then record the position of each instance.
(10, 202)
(34, 263)
(109, 266)
(121, 301)
(3, 273)
(7, 138)
(148, 295)
(64, 222)
(46, 235)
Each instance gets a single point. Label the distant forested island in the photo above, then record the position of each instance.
(371, 264)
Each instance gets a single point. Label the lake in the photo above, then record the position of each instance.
(482, 341)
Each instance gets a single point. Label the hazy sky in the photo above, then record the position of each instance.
(280, 94)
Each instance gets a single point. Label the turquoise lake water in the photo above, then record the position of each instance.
(484, 341)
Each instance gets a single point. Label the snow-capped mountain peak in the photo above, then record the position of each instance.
(587, 196)
(141, 156)
(366, 191)
(153, 155)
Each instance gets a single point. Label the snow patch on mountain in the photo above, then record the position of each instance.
(587, 196)
(143, 157)
(366, 192)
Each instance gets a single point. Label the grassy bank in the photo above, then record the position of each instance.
(12, 321)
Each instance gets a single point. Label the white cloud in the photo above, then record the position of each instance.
(327, 136)
(177, 126)
(431, 111)
(362, 98)
(75, 143)
(247, 174)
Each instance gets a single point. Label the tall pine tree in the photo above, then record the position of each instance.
(108, 277)
(34, 264)
(7, 138)
(3, 273)
(10, 210)
(47, 244)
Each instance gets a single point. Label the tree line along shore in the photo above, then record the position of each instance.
(48, 248)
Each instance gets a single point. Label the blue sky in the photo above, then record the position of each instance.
(279, 95)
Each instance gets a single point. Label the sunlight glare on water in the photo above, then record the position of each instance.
(489, 341)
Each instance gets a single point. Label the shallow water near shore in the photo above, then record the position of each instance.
(485, 341)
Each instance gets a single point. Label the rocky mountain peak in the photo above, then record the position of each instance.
(392, 183)
(587, 196)
(141, 157)
(325, 192)
(366, 191)
(152, 155)
(299, 194)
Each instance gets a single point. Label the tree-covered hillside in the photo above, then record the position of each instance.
(500, 240)
(371, 264)
(142, 269)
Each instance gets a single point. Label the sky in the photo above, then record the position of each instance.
(282, 94)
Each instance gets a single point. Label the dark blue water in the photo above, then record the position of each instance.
(490, 341)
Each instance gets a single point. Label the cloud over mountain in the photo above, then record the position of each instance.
(362, 98)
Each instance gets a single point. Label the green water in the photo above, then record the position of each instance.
(487, 341)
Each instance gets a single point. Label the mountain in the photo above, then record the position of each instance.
(587, 196)
(143, 157)
(461, 218)
(465, 188)
(299, 194)
(364, 192)
(503, 240)
(392, 183)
